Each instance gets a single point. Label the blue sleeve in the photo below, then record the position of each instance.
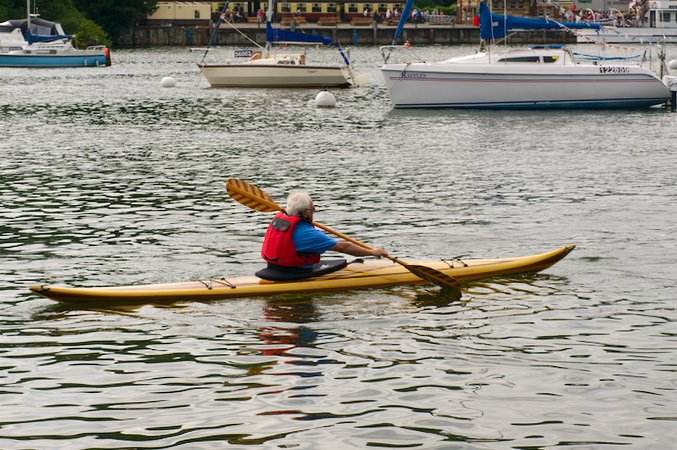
(308, 239)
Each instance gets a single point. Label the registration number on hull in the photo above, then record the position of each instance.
(613, 69)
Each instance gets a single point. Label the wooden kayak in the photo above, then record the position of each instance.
(357, 275)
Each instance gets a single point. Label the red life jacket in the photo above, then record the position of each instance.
(278, 246)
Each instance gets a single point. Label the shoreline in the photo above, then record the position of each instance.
(345, 33)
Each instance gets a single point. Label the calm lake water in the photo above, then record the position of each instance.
(109, 178)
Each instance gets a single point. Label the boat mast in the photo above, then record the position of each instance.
(269, 23)
(28, 15)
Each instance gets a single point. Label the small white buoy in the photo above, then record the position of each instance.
(168, 82)
(672, 64)
(325, 99)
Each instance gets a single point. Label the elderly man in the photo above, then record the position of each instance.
(292, 242)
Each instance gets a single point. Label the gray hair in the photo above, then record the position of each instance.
(297, 202)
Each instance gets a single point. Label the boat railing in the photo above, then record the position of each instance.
(387, 51)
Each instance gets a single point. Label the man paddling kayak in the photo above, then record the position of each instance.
(292, 242)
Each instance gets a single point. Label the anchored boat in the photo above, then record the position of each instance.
(357, 275)
(533, 78)
(40, 43)
(267, 68)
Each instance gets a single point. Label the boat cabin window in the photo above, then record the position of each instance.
(530, 59)
(196, 14)
(300, 7)
(666, 17)
(331, 7)
(352, 8)
(317, 8)
(285, 7)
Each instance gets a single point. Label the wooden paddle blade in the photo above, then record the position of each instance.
(250, 196)
(433, 276)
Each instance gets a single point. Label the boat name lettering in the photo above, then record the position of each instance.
(613, 69)
(413, 75)
(243, 53)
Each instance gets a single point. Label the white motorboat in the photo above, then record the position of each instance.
(275, 70)
(538, 78)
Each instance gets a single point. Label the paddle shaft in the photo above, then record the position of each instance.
(427, 273)
(336, 233)
(253, 197)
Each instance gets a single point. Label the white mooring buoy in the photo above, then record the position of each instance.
(168, 82)
(672, 64)
(325, 99)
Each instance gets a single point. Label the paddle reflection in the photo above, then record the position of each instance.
(437, 297)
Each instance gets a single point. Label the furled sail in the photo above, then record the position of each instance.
(286, 36)
(403, 20)
(278, 35)
(494, 26)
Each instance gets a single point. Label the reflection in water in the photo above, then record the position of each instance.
(279, 340)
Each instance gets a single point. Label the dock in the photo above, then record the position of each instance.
(344, 33)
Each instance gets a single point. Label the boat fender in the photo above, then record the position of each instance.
(106, 53)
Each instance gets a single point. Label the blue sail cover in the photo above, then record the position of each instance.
(277, 35)
(40, 30)
(33, 38)
(494, 26)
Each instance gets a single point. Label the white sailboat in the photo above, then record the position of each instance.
(267, 68)
(532, 78)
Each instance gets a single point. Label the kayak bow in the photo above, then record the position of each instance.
(370, 274)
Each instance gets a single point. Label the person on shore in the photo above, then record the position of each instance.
(292, 241)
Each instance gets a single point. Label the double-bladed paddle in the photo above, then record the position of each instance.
(253, 197)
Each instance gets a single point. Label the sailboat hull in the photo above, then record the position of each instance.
(55, 59)
(539, 86)
(273, 75)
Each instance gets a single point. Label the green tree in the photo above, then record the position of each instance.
(90, 33)
(12, 9)
(92, 21)
(116, 16)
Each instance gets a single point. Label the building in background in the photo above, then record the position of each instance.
(181, 13)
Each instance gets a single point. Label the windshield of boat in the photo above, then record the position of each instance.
(530, 59)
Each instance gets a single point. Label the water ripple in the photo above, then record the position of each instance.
(109, 178)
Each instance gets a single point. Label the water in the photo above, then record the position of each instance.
(108, 178)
